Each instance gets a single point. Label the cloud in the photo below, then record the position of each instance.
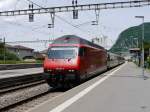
(6, 3)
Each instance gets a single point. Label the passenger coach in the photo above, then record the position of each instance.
(71, 59)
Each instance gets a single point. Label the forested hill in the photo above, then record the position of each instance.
(131, 37)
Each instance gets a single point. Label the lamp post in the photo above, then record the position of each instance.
(142, 17)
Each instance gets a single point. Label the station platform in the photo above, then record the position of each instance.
(19, 72)
(123, 89)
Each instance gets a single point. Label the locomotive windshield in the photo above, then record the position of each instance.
(62, 53)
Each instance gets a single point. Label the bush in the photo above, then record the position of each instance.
(8, 56)
(148, 61)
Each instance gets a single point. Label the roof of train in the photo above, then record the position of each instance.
(113, 54)
(73, 39)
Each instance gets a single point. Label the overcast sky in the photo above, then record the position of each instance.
(112, 22)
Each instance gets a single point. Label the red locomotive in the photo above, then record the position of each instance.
(71, 59)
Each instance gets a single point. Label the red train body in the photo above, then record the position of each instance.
(71, 59)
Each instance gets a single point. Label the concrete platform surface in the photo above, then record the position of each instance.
(122, 89)
(19, 72)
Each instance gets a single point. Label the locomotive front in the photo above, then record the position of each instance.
(61, 64)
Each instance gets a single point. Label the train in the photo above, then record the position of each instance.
(114, 60)
(72, 59)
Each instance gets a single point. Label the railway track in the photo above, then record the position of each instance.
(14, 90)
(10, 89)
(12, 99)
(12, 83)
(18, 89)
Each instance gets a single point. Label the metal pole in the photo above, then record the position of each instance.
(137, 46)
(4, 51)
(143, 45)
(142, 17)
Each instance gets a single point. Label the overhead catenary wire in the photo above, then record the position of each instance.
(61, 18)
(41, 7)
(15, 22)
(33, 29)
(77, 27)
(21, 25)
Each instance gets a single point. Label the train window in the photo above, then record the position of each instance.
(62, 52)
(82, 51)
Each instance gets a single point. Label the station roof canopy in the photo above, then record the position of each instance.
(135, 50)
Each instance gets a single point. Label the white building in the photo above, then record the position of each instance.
(102, 41)
(21, 51)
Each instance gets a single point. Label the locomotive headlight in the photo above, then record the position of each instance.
(49, 70)
(71, 70)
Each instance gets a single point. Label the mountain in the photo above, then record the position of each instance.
(132, 38)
